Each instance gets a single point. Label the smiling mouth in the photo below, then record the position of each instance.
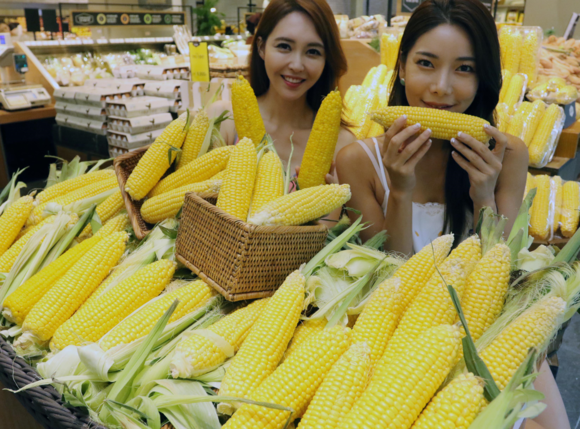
(293, 80)
(438, 105)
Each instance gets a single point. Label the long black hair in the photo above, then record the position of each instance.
(473, 18)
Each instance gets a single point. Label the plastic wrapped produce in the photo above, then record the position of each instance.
(555, 90)
(545, 138)
(532, 120)
(515, 92)
(529, 58)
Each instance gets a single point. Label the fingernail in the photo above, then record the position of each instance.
(453, 141)
(485, 125)
(404, 116)
(429, 142)
(417, 126)
(459, 134)
(428, 130)
(453, 152)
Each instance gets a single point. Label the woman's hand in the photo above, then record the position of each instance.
(481, 164)
(330, 177)
(401, 152)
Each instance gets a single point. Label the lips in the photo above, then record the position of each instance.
(293, 82)
(439, 106)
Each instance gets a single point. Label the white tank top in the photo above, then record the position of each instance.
(428, 219)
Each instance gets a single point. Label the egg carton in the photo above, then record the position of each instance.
(128, 141)
(162, 72)
(171, 89)
(175, 106)
(137, 90)
(89, 125)
(66, 94)
(101, 96)
(117, 151)
(140, 124)
(138, 106)
(89, 112)
(125, 72)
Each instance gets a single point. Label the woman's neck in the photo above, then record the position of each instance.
(277, 110)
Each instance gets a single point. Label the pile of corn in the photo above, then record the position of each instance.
(390, 49)
(556, 206)
(359, 100)
(519, 47)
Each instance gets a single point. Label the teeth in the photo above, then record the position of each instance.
(291, 80)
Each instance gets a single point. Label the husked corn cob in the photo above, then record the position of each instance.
(9, 257)
(107, 209)
(164, 206)
(556, 204)
(73, 288)
(515, 91)
(433, 305)
(265, 345)
(201, 353)
(141, 322)
(156, 160)
(443, 124)
(294, 383)
(532, 329)
(567, 94)
(506, 77)
(12, 221)
(360, 118)
(70, 185)
(369, 77)
(238, 183)
(351, 94)
(377, 129)
(321, 145)
(246, 112)
(340, 389)
(194, 139)
(529, 56)
(516, 125)
(539, 226)
(304, 331)
(396, 396)
(378, 76)
(380, 318)
(502, 117)
(532, 120)
(503, 44)
(389, 50)
(485, 290)
(540, 144)
(570, 208)
(513, 50)
(116, 224)
(269, 183)
(93, 321)
(198, 170)
(530, 184)
(455, 406)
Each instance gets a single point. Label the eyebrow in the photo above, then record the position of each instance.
(286, 39)
(431, 55)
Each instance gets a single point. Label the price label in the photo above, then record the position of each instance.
(199, 61)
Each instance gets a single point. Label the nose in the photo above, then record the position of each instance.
(442, 83)
(296, 64)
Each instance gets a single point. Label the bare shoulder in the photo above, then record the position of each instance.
(516, 151)
(218, 107)
(353, 157)
(345, 137)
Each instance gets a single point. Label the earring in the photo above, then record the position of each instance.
(403, 81)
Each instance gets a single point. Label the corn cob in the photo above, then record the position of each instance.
(198, 354)
(269, 183)
(164, 206)
(246, 112)
(502, 117)
(396, 396)
(302, 206)
(556, 203)
(541, 143)
(513, 51)
(322, 141)
(236, 191)
(529, 56)
(106, 210)
(369, 77)
(360, 118)
(455, 406)
(265, 345)
(380, 318)
(378, 76)
(532, 120)
(70, 185)
(443, 124)
(198, 170)
(539, 226)
(567, 94)
(9, 257)
(515, 91)
(485, 290)
(340, 389)
(304, 331)
(78, 195)
(156, 160)
(72, 289)
(19, 303)
(530, 184)
(12, 221)
(377, 129)
(294, 382)
(433, 305)
(533, 328)
(503, 33)
(389, 50)
(516, 125)
(141, 322)
(194, 139)
(351, 94)
(506, 77)
(93, 321)
(570, 208)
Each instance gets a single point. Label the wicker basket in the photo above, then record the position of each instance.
(44, 403)
(240, 260)
(124, 165)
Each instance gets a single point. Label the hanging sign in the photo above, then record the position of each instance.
(409, 6)
(86, 18)
(199, 61)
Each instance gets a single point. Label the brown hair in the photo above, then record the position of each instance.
(323, 19)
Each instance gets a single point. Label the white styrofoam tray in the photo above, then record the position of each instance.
(139, 124)
(138, 106)
(128, 141)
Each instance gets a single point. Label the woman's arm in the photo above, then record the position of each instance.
(227, 127)
(554, 416)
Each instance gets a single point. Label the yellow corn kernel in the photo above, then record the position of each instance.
(513, 51)
(515, 91)
(70, 185)
(106, 210)
(12, 221)
(506, 77)
(539, 226)
(533, 118)
(194, 139)
(246, 112)
(529, 56)
(542, 143)
(570, 208)
(304, 331)
(269, 183)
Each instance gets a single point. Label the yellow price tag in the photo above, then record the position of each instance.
(199, 61)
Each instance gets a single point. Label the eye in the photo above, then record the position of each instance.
(425, 63)
(466, 68)
(314, 52)
(283, 46)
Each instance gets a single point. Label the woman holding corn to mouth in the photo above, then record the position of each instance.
(413, 185)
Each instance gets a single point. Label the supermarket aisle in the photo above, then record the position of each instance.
(569, 374)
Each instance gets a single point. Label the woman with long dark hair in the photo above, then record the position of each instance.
(296, 60)
(417, 187)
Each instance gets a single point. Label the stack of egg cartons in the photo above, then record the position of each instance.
(136, 122)
(170, 89)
